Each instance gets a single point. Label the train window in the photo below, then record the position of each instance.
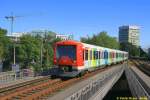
(99, 54)
(66, 50)
(105, 55)
(86, 54)
(96, 54)
(116, 55)
(113, 55)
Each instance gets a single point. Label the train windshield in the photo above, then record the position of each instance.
(66, 50)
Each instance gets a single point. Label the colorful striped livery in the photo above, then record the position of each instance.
(74, 58)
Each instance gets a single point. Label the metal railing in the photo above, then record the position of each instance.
(135, 86)
(7, 76)
(90, 89)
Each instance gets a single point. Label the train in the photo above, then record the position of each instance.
(72, 58)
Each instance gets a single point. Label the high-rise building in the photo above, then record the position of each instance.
(129, 34)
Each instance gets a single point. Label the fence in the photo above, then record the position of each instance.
(90, 89)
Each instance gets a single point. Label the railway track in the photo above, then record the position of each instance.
(42, 89)
(142, 66)
(24, 84)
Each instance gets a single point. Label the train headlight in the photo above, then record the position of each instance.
(74, 61)
(55, 60)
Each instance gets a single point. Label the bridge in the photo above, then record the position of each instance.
(96, 88)
(99, 86)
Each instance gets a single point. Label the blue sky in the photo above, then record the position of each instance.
(78, 17)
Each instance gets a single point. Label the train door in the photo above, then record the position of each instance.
(94, 57)
(106, 57)
(89, 58)
(86, 64)
(102, 57)
(99, 58)
(113, 56)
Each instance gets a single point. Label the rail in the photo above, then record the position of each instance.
(135, 86)
(87, 92)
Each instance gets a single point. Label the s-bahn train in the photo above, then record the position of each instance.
(73, 58)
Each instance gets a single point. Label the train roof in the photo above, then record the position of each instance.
(94, 46)
(88, 45)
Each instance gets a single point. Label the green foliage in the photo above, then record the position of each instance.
(28, 50)
(143, 53)
(48, 42)
(102, 39)
(134, 51)
(4, 42)
(131, 49)
(3, 32)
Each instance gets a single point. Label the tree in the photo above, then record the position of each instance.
(102, 39)
(2, 40)
(28, 51)
(3, 32)
(131, 49)
(48, 42)
(5, 44)
(143, 53)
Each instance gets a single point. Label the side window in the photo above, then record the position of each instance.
(113, 55)
(94, 55)
(99, 54)
(86, 54)
(116, 55)
(105, 55)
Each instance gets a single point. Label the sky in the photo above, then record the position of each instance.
(78, 17)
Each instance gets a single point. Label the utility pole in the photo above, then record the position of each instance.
(11, 18)
(41, 50)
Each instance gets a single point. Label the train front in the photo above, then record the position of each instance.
(67, 58)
